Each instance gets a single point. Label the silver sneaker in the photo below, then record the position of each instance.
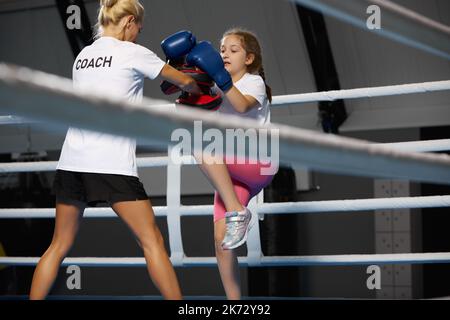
(238, 224)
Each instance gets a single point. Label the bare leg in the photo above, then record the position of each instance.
(67, 221)
(228, 264)
(139, 216)
(219, 176)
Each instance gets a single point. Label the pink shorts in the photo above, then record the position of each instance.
(247, 181)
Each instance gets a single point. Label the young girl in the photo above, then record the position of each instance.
(241, 78)
(97, 167)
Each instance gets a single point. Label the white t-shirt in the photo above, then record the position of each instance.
(251, 85)
(117, 68)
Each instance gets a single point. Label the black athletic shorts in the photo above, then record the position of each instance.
(93, 188)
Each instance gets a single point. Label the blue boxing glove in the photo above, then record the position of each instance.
(205, 57)
(178, 45)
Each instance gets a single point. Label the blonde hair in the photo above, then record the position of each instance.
(112, 11)
(251, 45)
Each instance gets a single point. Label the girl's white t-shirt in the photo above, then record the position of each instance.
(116, 68)
(252, 85)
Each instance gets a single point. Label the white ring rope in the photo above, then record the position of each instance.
(403, 28)
(425, 21)
(14, 120)
(142, 162)
(285, 100)
(55, 100)
(264, 208)
(272, 261)
(420, 146)
(36, 166)
(151, 162)
(370, 92)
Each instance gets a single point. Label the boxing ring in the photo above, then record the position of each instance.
(55, 102)
(358, 155)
